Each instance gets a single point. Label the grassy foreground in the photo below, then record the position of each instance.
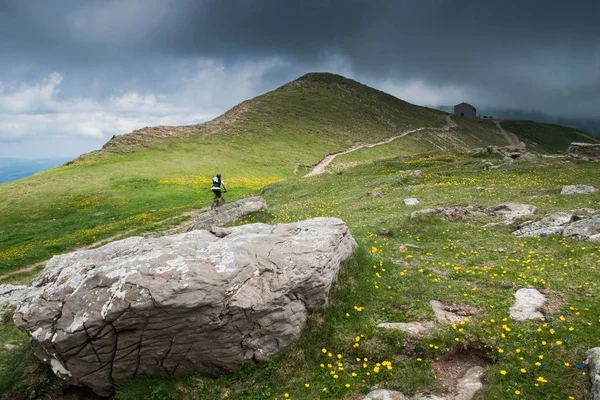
(342, 354)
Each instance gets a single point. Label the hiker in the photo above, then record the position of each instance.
(216, 188)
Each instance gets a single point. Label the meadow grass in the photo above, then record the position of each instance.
(341, 352)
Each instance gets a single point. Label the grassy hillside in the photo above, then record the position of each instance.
(547, 138)
(140, 180)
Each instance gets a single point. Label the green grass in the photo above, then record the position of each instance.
(142, 181)
(547, 138)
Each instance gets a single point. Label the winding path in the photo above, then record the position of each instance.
(511, 138)
(320, 167)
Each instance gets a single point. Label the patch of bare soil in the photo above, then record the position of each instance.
(452, 367)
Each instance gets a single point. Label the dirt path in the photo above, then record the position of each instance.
(185, 224)
(320, 167)
(511, 138)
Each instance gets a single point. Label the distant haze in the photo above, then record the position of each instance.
(75, 72)
(12, 169)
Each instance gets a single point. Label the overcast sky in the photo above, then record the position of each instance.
(75, 72)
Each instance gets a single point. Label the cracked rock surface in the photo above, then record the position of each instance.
(229, 212)
(191, 302)
(592, 362)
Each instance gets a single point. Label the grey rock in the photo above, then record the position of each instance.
(595, 238)
(411, 188)
(448, 315)
(592, 362)
(448, 213)
(469, 384)
(9, 346)
(411, 201)
(528, 301)
(511, 211)
(583, 229)
(375, 193)
(416, 329)
(528, 156)
(229, 212)
(586, 150)
(577, 189)
(192, 302)
(552, 225)
(11, 295)
(383, 394)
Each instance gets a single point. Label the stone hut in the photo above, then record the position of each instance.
(465, 110)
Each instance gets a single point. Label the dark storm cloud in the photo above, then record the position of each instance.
(210, 54)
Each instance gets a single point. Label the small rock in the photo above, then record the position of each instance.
(405, 246)
(592, 362)
(469, 384)
(595, 238)
(411, 201)
(577, 189)
(375, 193)
(528, 156)
(527, 303)
(511, 211)
(416, 329)
(450, 314)
(411, 187)
(9, 346)
(383, 394)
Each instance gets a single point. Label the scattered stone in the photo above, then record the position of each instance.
(412, 173)
(178, 304)
(583, 228)
(577, 189)
(416, 329)
(411, 188)
(528, 156)
(586, 150)
(405, 246)
(375, 193)
(448, 213)
(469, 384)
(383, 394)
(527, 303)
(511, 211)
(592, 362)
(9, 346)
(229, 212)
(411, 201)
(450, 314)
(554, 224)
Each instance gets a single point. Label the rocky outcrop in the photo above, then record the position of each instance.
(584, 150)
(511, 211)
(229, 212)
(582, 227)
(577, 189)
(592, 362)
(528, 302)
(192, 302)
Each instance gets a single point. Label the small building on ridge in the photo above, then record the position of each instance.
(465, 110)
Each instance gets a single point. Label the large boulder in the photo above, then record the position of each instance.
(191, 302)
(585, 150)
(583, 229)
